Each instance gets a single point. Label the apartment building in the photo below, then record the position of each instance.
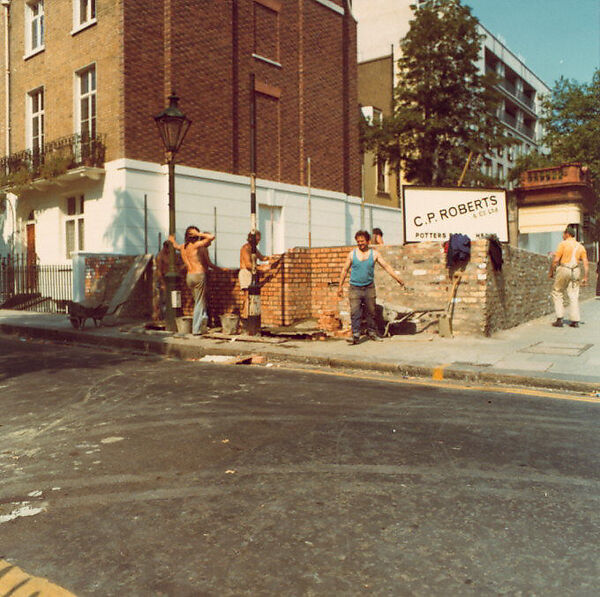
(83, 162)
(381, 26)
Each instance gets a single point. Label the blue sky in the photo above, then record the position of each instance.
(554, 37)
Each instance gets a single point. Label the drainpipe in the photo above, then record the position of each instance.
(6, 4)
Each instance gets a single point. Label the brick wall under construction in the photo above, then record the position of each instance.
(302, 284)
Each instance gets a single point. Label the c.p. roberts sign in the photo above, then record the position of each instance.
(433, 214)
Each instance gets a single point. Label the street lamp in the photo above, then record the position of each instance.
(172, 125)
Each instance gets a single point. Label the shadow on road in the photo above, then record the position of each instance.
(20, 356)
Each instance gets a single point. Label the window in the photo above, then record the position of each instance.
(487, 167)
(34, 27)
(382, 179)
(372, 115)
(84, 14)
(74, 226)
(86, 104)
(266, 30)
(35, 124)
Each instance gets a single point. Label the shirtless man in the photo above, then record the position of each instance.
(245, 275)
(195, 257)
(377, 238)
(566, 265)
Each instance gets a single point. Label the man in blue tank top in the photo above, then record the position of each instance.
(361, 263)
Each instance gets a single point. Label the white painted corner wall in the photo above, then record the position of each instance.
(214, 201)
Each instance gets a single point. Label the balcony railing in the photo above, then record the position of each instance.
(526, 130)
(509, 119)
(510, 87)
(564, 174)
(526, 99)
(54, 157)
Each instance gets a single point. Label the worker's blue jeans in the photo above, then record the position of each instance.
(359, 296)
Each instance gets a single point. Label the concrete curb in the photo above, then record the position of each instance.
(15, 581)
(174, 347)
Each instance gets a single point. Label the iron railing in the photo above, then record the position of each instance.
(63, 153)
(25, 285)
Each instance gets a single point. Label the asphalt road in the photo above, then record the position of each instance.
(134, 475)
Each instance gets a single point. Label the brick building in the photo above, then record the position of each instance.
(83, 165)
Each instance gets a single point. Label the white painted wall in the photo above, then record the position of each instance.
(381, 24)
(114, 212)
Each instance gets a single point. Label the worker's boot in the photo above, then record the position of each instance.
(373, 335)
(558, 323)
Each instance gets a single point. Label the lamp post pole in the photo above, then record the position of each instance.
(172, 125)
(254, 307)
(173, 296)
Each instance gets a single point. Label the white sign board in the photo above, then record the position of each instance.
(433, 214)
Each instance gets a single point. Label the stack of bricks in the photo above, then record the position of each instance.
(326, 264)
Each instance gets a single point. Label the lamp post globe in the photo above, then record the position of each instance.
(173, 126)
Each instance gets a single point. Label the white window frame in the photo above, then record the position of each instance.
(382, 167)
(34, 115)
(89, 97)
(372, 115)
(78, 220)
(84, 15)
(34, 22)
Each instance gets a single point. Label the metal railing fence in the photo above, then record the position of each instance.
(26, 285)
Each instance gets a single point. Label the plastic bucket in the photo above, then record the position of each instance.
(230, 323)
(184, 325)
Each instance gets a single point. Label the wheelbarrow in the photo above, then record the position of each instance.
(397, 314)
(79, 313)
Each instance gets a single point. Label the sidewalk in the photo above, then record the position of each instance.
(534, 354)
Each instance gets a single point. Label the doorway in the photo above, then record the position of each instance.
(270, 225)
(31, 277)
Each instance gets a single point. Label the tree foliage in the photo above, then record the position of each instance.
(572, 129)
(443, 107)
(572, 121)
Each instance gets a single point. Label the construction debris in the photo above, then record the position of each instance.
(252, 359)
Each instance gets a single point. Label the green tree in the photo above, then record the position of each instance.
(444, 108)
(572, 124)
(572, 129)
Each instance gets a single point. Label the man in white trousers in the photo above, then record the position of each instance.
(566, 265)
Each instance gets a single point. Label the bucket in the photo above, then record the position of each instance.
(184, 325)
(229, 323)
